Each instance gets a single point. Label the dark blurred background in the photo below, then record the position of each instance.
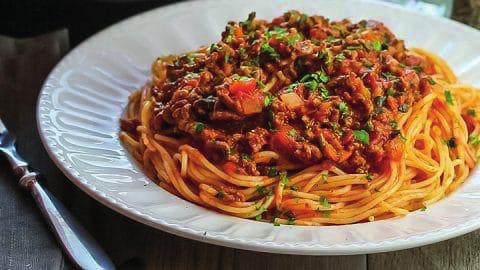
(24, 18)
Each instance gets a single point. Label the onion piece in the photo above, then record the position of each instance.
(292, 100)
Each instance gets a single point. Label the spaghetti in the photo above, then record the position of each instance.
(365, 130)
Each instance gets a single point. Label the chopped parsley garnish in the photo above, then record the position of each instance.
(340, 57)
(295, 188)
(267, 100)
(258, 217)
(417, 69)
(393, 124)
(474, 140)
(220, 195)
(269, 50)
(312, 81)
(291, 40)
(190, 59)
(471, 112)
(272, 171)
(369, 126)
(262, 190)
(377, 45)
(362, 136)
(271, 117)
(284, 178)
(402, 137)
(342, 106)
(423, 208)
(326, 56)
(448, 97)
(214, 48)
(324, 202)
(324, 178)
(246, 157)
(389, 76)
(241, 52)
(324, 94)
(391, 92)
(226, 57)
(292, 133)
(199, 127)
(380, 101)
(404, 108)
(275, 223)
(451, 143)
(431, 81)
(368, 176)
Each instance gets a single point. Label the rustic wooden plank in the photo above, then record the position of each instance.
(458, 253)
(256, 260)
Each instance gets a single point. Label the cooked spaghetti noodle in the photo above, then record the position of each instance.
(305, 121)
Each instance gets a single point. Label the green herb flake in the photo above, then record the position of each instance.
(325, 178)
(284, 178)
(199, 127)
(369, 176)
(369, 126)
(246, 157)
(275, 223)
(326, 214)
(267, 100)
(448, 97)
(362, 136)
(324, 202)
(190, 59)
(377, 45)
(431, 81)
(342, 106)
(295, 188)
(293, 39)
(258, 217)
(380, 101)
(272, 171)
(417, 69)
(404, 108)
(220, 195)
(474, 140)
(340, 57)
(226, 58)
(324, 94)
(451, 142)
(393, 124)
(292, 133)
(269, 50)
(264, 191)
(471, 112)
(214, 48)
(391, 92)
(423, 209)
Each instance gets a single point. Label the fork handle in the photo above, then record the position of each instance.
(77, 244)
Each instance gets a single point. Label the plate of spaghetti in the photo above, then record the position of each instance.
(306, 127)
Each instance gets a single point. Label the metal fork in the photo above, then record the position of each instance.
(77, 243)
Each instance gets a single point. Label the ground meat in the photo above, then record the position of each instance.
(313, 90)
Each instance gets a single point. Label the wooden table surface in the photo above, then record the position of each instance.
(135, 246)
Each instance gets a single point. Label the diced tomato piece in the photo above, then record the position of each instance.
(283, 143)
(230, 167)
(193, 82)
(238, 32)
(240, 88)
(246, 92)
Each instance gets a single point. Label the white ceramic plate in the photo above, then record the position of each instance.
(82, 99)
